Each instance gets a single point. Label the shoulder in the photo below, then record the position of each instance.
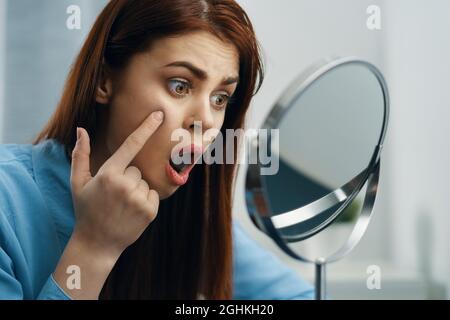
(15, 162)
(20, 164)
(18, 155)
(29, 238)
(15, 167)
(28, 171)
(16, 173)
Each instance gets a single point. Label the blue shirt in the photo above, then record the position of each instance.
(37, 219)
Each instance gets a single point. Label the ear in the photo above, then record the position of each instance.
(104, 87)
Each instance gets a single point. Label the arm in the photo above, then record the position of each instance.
(11, 288)
(94, 266)
(258, 274)
(18, 277)
(15, 276)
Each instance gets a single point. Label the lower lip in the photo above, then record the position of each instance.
(178, 179)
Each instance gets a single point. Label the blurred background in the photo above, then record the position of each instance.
(408, 238)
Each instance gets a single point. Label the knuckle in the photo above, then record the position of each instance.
(133, 168)
(130, 203)
(153, 200)
(144, 186)
(140, 205)
(134, 172)
(153, 196)
(149, 208)
(134, 202)
(118, 186)
(123, 189)
(137, 198)
(151, 216)
(150, 211)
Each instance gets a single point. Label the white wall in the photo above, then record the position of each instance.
(409, 234)
(418, 56)
(39, 51)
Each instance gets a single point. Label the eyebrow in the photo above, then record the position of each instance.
(199, 73)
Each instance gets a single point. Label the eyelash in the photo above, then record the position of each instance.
(228, 99)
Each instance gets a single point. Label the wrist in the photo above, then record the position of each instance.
(92, 266)
(100, 254)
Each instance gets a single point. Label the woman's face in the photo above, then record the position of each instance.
(190, 78)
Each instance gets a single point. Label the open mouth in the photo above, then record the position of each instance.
(179, 168)
(179, 173)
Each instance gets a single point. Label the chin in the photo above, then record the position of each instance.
(165, 190)
(167, 193)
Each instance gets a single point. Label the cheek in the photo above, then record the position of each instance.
(219, 120)
(152, 158)
(129, 109)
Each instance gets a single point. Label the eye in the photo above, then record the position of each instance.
(220, 100)
(179, 87)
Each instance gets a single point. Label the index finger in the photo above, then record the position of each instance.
(135, 142)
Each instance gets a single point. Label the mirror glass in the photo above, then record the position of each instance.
(325, 140)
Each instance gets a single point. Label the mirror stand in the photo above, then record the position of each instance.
(355, 236)
(320, 279)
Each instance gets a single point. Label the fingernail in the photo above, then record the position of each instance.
(78, 133)
(158, 115)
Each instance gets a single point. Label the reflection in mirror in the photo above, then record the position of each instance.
(327, 138)
(329, 240)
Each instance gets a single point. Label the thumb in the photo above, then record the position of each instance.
(80, 172)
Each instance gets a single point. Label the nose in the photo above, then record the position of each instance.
(200, 113)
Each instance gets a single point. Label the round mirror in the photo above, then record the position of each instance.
(318, 160)
(324, 138)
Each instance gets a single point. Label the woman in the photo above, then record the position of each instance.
(95, 208)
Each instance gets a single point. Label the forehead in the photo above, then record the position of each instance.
(202, 49)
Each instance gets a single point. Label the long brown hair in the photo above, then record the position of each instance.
(187, 250)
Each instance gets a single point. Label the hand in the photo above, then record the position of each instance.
(113, 208)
